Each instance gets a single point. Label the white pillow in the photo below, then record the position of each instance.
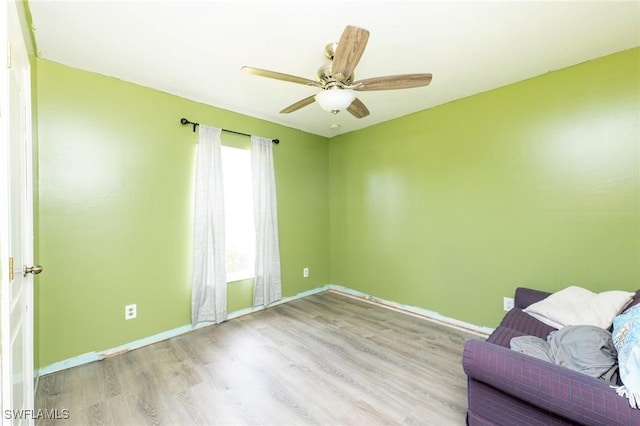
(579, 306)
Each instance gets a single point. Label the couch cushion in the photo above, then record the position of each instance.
(520, 320)
(518, 323)
(502, 336)
(528, 296)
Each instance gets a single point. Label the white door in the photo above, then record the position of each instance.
(16, 225)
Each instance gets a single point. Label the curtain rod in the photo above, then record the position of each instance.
(184, 121)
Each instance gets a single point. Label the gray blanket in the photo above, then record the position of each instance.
(584, 348)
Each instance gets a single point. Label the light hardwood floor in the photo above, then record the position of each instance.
(325, 359)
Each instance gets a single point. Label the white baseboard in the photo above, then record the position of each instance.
(410, 310)
(413, 310)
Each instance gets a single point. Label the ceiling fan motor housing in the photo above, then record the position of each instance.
(325, 77)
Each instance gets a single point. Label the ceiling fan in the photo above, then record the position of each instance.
(336, 78)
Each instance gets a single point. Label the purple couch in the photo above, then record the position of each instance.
(510, 388)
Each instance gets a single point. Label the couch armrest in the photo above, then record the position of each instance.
(572, 395)
(528, 296)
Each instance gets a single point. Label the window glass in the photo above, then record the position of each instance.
(239, 222)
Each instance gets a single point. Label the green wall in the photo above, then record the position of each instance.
(115, 209)
(533, 184)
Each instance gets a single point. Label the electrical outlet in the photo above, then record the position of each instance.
(130, 311)
(507, 303)
(305, 273)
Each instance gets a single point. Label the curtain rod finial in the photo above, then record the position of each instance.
(184, 121)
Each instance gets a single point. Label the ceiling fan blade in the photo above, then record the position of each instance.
(392, 82)
(348, 52)
(301, 103)
(281, 76)
(358, 109)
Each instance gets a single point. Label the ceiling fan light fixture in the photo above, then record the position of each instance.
(335, 99)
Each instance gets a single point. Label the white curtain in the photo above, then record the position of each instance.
(209, 281)
(267, 286)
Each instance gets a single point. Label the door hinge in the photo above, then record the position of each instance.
(8, 54)
(10, 269)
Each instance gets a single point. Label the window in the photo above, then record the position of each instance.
(240, 235)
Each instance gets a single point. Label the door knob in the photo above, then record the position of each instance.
(35, 270)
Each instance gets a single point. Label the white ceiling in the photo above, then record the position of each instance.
(195, 49)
